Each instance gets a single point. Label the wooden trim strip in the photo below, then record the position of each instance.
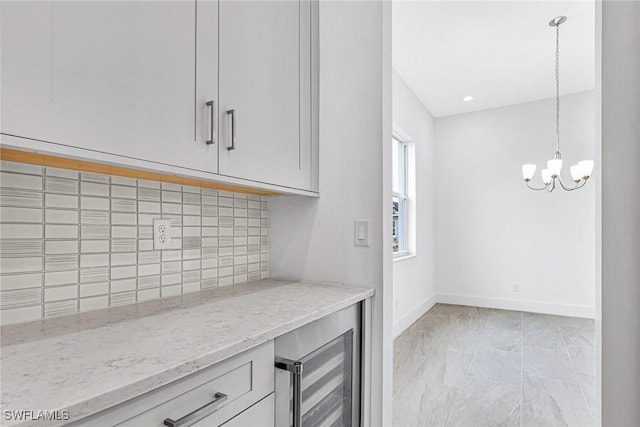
(87, 166)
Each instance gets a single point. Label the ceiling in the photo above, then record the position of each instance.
(501, 53)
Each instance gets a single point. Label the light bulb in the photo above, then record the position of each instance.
(528, 171)
(576, 173)
(546, 176)
(554, 167)
(586, 167)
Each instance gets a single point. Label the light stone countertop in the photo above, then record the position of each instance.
(89, 362)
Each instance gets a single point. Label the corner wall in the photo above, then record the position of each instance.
(312, 239)
(620, 213)
(414, 288)
(492, 232)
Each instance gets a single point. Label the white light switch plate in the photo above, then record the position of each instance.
(361, 232)
(161, 233)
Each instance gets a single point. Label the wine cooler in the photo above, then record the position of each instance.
(318, 373)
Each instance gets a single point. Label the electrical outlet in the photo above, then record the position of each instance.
(516, 288)
(161, 233)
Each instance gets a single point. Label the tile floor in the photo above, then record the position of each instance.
(469, 366)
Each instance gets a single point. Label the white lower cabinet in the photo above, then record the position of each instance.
(235, 392)
(259, 415)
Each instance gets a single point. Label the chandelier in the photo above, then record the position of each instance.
(581, 172)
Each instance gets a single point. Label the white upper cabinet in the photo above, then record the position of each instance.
(149, 83)
(265, 88)
(130, 78)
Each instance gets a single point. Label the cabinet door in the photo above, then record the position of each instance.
(265, 80)
(117, 77)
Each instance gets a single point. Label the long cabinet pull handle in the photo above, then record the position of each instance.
(199, 413)
(295, 368)
(212, 110)
(232, 113)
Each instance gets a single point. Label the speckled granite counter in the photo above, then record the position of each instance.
(91, 361)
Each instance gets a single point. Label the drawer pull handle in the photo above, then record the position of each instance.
(199, 413)
(212, 130)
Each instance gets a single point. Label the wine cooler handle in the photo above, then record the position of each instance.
(295, 368)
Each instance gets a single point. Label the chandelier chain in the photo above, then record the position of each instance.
(558, 87)
(551, 176)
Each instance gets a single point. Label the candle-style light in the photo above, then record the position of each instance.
(581, 172)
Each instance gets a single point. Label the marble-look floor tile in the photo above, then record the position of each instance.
(422, 403)
(474, 318)
(433, 325)
(548, 402)
(542, 331)
(412, 341)
(578, 336)
(542, 362)
(445, 367)
(583, 359)
(497, 365)
(403, 343)
(463, 366)
(505, 319)
(588, 386)
(575, 322)
(487, 403)
(536, 320)
(449, 310)
(502, 339)
(459, 339)
(404, 367)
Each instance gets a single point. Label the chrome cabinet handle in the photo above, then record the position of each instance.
(296, 368)
(212, 137)
(232, 113)
(199, 413)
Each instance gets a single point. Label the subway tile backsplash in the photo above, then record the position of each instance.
(75, 241)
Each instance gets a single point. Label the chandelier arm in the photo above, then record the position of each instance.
(578, 185)
(536, 189)
(553, 186)
(565, 187)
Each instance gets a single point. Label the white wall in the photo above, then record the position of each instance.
(312, 239)
(620, 213)
(414, 288)
(492, 232)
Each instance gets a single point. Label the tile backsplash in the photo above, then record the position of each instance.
(75, 241)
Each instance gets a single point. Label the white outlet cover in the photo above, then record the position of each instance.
(161, 233)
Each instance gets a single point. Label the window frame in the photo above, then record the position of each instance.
(404, 196)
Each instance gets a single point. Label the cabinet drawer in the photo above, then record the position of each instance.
(262, 414)
(222, 391)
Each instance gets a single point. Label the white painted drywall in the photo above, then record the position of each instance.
(414, 286)
(313, 239)
(598, 215)
(492, 232)
(620, 213)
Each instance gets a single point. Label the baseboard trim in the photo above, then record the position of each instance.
(518, 305)
(414, 314)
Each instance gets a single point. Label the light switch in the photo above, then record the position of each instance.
(361, 234)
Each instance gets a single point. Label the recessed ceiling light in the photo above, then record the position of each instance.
(467, 98)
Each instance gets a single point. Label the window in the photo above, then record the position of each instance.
(400, 221)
